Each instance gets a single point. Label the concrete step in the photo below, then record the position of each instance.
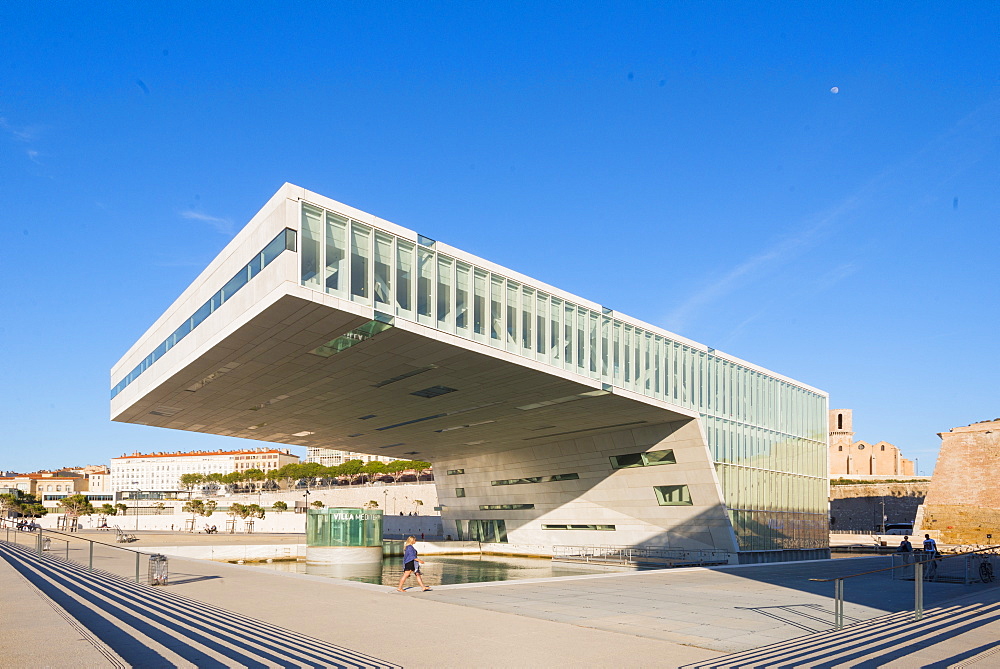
(150, 627)
(878, 642)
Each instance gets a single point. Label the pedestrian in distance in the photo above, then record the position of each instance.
(930, 546)
(905, 546)
(411, 564)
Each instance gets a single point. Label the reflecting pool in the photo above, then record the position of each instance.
(438, 570)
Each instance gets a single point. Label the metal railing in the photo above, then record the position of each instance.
(649, 556)
(917, 565)
(40, 540)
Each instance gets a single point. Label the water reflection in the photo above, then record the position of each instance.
(437, 570)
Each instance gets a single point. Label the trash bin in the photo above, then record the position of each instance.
(158, 569)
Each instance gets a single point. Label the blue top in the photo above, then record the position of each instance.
(409, 554)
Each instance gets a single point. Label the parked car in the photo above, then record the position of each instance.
(899, 528)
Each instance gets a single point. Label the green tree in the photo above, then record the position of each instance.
(189, 481)
(209, 508)
(107, 509)
(373, 469)
(371, 504)
(280, 506)
(9, 503)
(289, 473)
(395, 468)
(31, 507)
(237, 509)
(318, 504)
(159, 506)
(195, 507)
(254, 511)
(254, 476)
(352, 469)
(76, 505)
(121, 509)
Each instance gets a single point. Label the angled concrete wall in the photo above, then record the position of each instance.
(602, 495)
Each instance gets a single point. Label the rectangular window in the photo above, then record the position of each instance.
(505, 507)
(480, 315)
(336, 253)
(459, 492)
(496, 309)
(404, 276)
(513, 290)
(541, 320)
(555, 317)
(599, 528)
(360, 256)
(445, 270)
(425, 283)
(312, 224)
(530, 479)
(383, 268)
(453, 472)
(647, 459)
(527, 318)
(672, 495)
(537, 479)
(462, 285)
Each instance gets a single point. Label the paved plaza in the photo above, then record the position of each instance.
(764, 614)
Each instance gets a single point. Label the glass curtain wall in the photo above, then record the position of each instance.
(767, 436)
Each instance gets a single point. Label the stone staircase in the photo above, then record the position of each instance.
(895, 640)
(143, 626)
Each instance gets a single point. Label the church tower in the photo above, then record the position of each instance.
(841, 438)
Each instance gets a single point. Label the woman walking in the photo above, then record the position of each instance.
(411, 565)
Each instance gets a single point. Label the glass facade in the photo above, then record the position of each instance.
(285, 241)
(343, 527)
(767, 435)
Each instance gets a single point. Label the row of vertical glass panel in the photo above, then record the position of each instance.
(284, 241)
(737, 443)
(751, 418)
(771, 530)
(370, 266)
(761, 489)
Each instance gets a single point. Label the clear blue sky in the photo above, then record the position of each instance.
(684, 163)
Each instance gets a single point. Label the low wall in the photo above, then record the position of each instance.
(287, 522)
(859, 507)
(392, 500)
(233, 552)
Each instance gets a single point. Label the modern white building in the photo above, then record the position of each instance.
(550, 419)
(329, 457)
(162, 471)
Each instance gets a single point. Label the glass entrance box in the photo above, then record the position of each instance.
(343, 535)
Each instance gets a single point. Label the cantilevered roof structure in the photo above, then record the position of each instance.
(549, 419)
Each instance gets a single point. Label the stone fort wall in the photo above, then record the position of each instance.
(963, 503)
(859, 507)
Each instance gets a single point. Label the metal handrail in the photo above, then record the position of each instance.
(918, 582)
(41, 531)
(902, 566)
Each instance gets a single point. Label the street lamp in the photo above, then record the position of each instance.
(137, 495)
